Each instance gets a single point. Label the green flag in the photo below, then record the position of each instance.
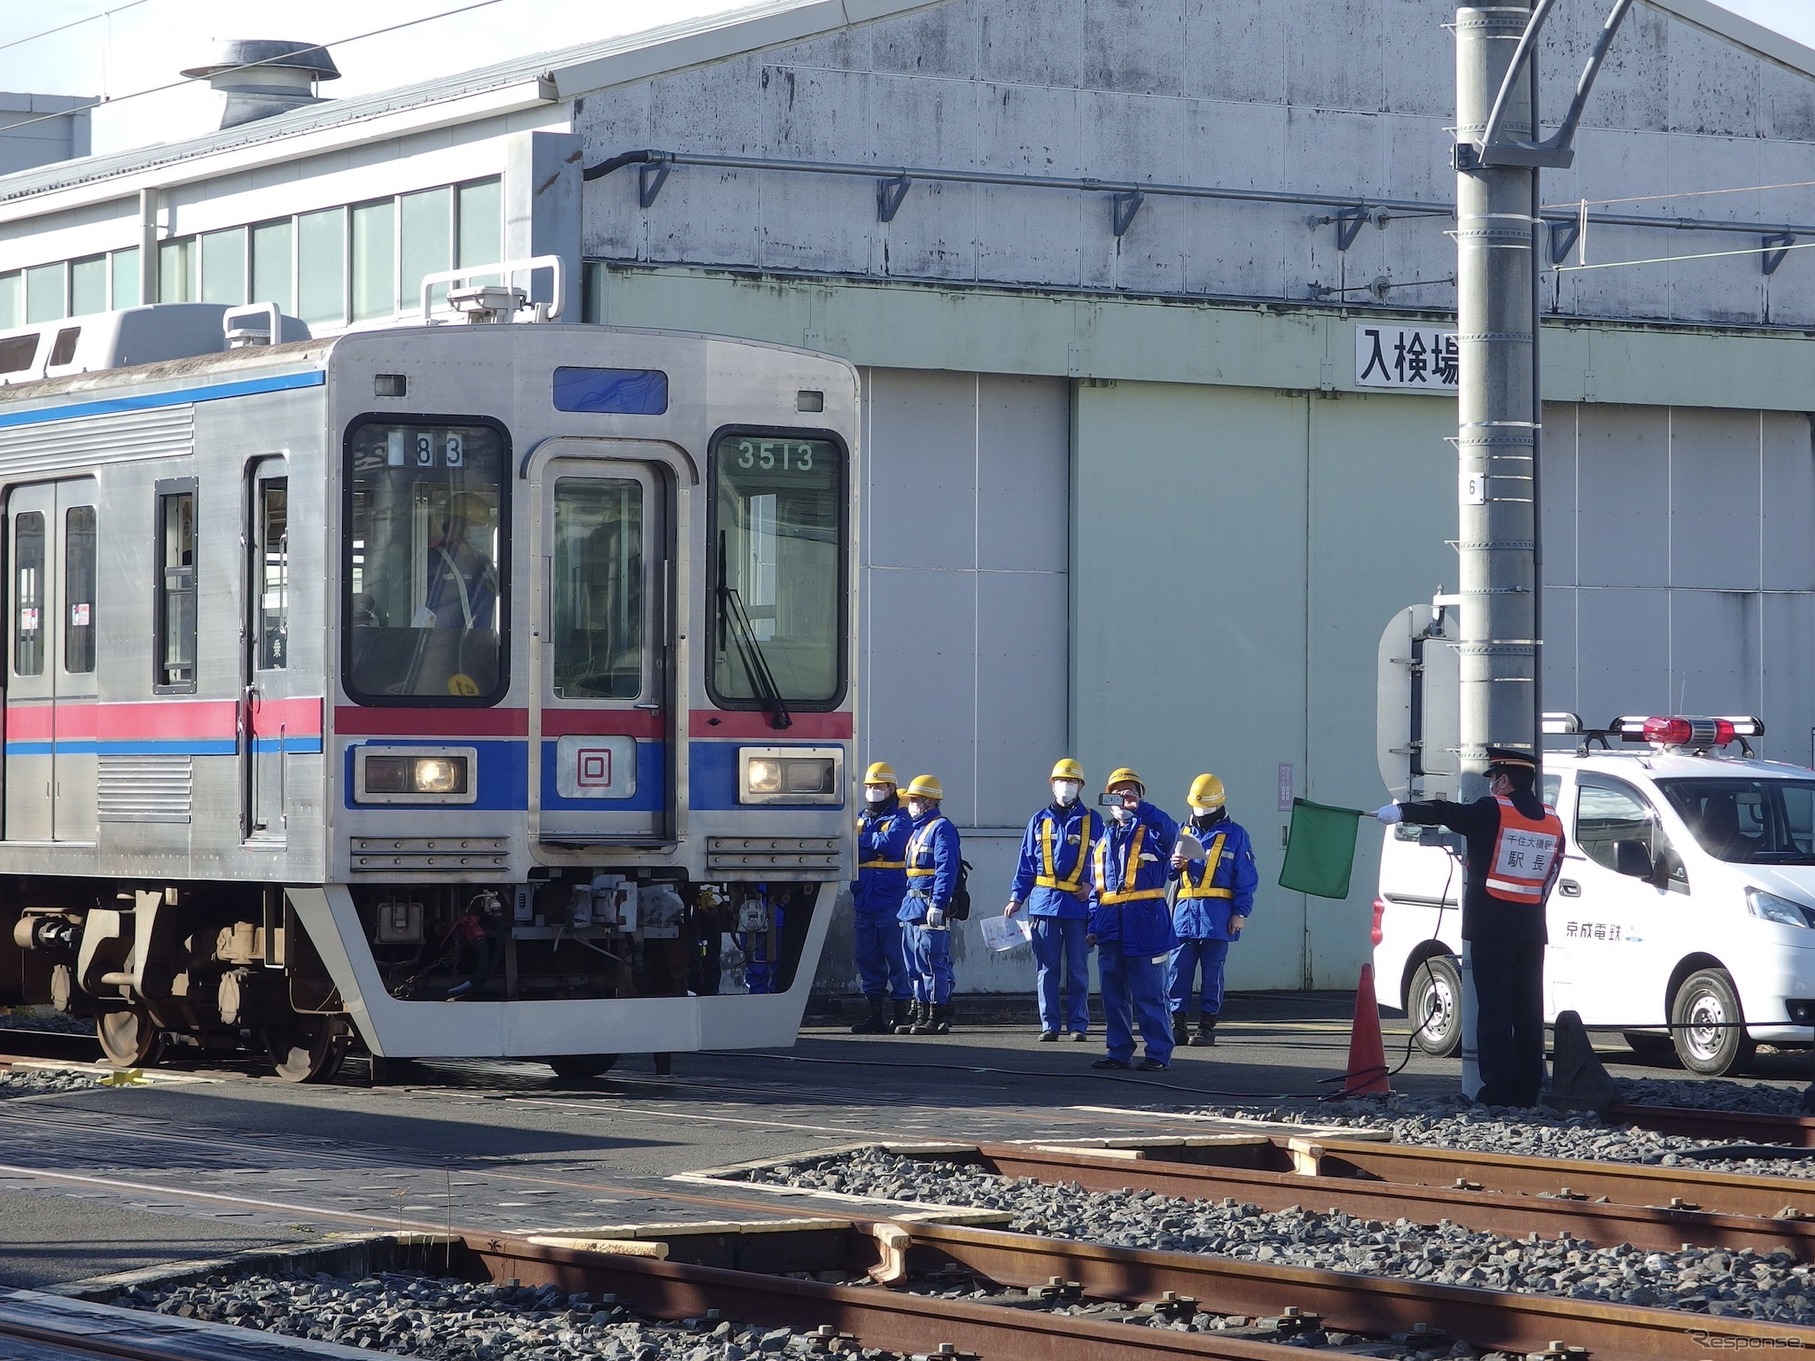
(1320, 849)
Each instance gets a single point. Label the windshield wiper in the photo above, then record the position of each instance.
(750, 652)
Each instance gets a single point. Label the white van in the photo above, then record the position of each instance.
(1684, 911)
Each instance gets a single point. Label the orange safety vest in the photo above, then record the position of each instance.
(1525, 855)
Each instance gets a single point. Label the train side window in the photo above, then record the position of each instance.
(79, 590)
(273, 574)
(28, 594)
(174, 617)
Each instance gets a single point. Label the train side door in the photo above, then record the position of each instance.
(269, 725)
(604, 629)
(51, 691)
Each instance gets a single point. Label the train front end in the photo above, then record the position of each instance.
(590, 736)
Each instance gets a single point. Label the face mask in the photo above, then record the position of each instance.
(876, 793)
(915, 808)
(1066, 791)
(1121, 812)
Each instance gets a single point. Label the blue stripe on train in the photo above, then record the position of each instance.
(503, 777)
(151, 401)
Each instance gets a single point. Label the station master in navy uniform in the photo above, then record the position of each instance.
(1515, 849)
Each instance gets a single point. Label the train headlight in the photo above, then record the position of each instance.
(790, 775)
(414, 774)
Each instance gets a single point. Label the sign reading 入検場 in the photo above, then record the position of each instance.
(1405, 357)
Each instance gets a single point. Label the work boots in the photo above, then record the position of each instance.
(939, 1020)
(1206, 1030)
(873, 1024)
(1181, 1029)
(901, 1015)
(910, 1023)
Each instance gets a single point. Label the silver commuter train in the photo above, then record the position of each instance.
(452, 690)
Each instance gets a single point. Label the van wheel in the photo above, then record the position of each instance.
(1436, 1001)
(1707, 1024)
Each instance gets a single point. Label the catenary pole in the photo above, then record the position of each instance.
(1497, 419)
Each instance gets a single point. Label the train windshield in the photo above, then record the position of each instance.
(779, 535)
(425, 561)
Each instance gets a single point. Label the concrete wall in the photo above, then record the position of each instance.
(40, 129)
(1345, 98)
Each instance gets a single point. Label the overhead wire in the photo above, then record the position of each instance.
(1680, 193)
(73, 23)
(253, 65)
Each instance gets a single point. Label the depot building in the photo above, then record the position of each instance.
(1154, 306)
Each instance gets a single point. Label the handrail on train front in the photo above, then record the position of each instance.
(507, 268)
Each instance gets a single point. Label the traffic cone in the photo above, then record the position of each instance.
(1367, 1055)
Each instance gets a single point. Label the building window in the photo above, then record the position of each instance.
(88, 286)
(224, 266)
(44, 300)
(321, 267)
(374, 260)
(480, 206)
(176, 270)
(425, 241)
(274, 265)
(125, 282)
(12, 299)
(174, 618)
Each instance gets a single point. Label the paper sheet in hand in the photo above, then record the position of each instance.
(1320, 849)
(1188, 846)
(1004, 933)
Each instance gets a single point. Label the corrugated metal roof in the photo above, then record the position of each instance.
(670, 47)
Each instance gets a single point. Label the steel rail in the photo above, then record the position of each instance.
(1566, 1178)
(64, 1328)
(1486, 1319)
(1662, 1228)
(1794, 1131)
(877, 1318)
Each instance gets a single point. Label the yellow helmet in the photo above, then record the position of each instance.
(1122, 775)
(925, 787)
(1067, 769)
(880, 772)
(1206, 794)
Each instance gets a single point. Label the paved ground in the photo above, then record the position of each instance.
(115, 1179)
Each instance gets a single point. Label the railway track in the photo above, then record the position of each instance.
(1734, 1127)
(39, 1327)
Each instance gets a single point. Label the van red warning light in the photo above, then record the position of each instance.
(1695, 734)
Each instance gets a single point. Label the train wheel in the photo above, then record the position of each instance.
(582, 1065)
(307, 1049)
(128, 1038)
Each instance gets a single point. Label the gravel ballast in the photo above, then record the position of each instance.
(44, 1081)
(1702, 1280)
(453, 1320)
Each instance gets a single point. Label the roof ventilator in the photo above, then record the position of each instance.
(258, 324)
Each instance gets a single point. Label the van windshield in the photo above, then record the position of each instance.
(1747, 821)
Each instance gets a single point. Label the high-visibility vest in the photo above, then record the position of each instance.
(879, 864)
(1200, 888)
(1049, 877)
(1131, 862)
(1525, 854)
(922, 844)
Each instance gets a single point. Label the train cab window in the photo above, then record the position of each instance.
(174, 618)
(273, 574)
(424, 562)
(779, 536)
(596, 610)
(79, 590)
(28, 594)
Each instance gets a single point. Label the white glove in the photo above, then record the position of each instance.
(1389, 814)
(935, 919)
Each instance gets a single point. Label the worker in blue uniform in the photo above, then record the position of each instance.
(1214, 899)
(1130, 925)
(932, 878)
(876, 894)
(1052, 883)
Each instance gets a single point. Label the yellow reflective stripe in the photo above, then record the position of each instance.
(882, 864)
(1051, 878)
(922, 874)
(1200, 889)
(919, 845)
(1130, 897)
